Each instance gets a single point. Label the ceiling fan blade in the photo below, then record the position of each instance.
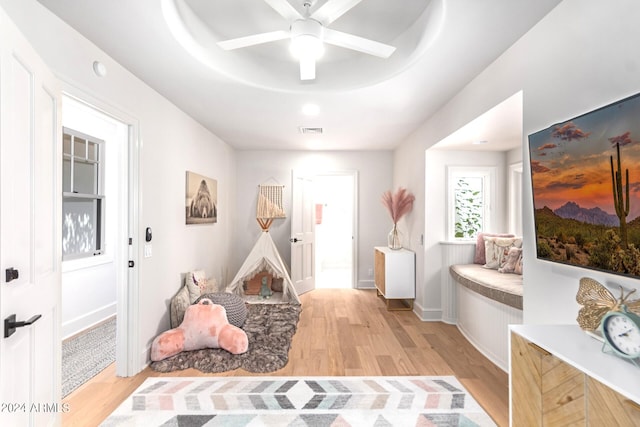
(253, 40)
(333, 9)
(284, 8)
(307, 68)
(349, 41)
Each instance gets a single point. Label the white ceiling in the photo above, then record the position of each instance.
(499, 129)
(252, 98)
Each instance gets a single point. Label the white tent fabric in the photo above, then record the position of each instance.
(264, 257)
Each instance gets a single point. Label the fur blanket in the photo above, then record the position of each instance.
(269, 328)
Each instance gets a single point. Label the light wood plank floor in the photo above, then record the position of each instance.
(341, 332)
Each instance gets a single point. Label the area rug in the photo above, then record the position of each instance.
(290, 401)
(269, 328)
(86, 354)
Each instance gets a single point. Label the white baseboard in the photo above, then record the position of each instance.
(450, 321)
(366, 284)
(145, 358)
(87, 320)
(427, 314)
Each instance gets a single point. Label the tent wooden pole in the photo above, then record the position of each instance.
(265, 223)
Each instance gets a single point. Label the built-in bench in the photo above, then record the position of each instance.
(487, 302)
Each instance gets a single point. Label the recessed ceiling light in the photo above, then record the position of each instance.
(310, 109)
(480, 142)
(99, 69)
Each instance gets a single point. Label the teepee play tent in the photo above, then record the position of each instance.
(265, 256)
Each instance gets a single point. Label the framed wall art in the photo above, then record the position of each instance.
(201, 198)
(585, 174)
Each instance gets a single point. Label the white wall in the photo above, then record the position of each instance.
(514, 191)
(259, 167)
(170, 144)
(514, 156)
(578, 58)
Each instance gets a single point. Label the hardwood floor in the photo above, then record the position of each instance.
(342, 332)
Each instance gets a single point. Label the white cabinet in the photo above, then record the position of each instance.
(395, 276)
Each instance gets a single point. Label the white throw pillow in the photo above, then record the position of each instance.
(497, 248)
(197, 284)
(511, 262)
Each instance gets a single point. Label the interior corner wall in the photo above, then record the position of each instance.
(171, 143)
(374, 169)
(429, 295)
(514, 156)
(577, 58)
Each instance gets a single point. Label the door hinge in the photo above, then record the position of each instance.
(130, 241)
(131, 264)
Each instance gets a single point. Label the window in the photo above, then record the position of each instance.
(470, 196)
(82, 195)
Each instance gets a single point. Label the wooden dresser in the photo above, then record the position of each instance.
(559, 376)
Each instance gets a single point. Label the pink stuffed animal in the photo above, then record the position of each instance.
(205, 325)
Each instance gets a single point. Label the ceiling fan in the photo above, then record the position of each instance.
(309, 32)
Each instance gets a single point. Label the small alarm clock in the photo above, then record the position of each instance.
(621, 332)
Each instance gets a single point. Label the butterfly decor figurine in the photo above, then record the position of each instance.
(597, 300)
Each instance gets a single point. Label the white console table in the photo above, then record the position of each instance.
(395, 277)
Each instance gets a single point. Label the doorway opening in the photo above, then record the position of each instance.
(91, 284)
(335, 207)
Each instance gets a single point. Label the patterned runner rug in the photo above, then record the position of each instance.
(291, 401)
(86, 354)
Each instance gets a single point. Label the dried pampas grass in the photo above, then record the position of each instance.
(398, 204)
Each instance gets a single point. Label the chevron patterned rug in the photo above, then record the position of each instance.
(299, 402)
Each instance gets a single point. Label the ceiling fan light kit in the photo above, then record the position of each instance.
(306, 39)
(308, 34)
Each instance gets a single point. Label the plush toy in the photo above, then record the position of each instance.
(265, 292)
(205, 325)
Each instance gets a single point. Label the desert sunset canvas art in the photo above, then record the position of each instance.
(585, 175)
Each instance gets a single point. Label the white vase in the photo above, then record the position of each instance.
(394, 239)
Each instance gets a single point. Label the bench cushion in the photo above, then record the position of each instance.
(504, 288)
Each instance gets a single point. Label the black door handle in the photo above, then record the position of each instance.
(294, 240)
(11, 274)
(10, 324)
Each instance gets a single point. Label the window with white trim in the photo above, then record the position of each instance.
(83, 200)
(470, 193)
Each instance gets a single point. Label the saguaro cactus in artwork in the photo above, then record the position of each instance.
(621, 203)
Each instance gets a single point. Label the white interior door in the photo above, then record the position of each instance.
(30, 224)
(302, 234)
